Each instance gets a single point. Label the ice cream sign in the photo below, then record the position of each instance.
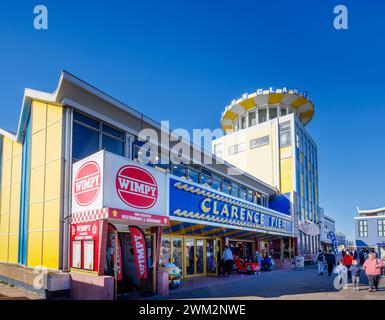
(105, 180)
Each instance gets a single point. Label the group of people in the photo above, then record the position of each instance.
(352, 264)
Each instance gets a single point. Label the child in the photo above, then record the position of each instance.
(342, 272)
(355, 269)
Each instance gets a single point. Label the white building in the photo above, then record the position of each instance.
(327, 224)
(370, 229)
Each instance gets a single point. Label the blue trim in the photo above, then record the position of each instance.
(24, 196)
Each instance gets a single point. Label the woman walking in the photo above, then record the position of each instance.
(372, 267)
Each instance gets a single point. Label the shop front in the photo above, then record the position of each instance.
(119, 207)
(204, 220)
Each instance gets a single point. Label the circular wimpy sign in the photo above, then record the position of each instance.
(136, 187)
(87, 183)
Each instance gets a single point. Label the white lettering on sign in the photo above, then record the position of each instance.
(87, 183)
(140, 253)
(137, 187)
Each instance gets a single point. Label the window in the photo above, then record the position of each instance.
(272, 112)
(193, 175)
(206, 177)
(252, 119)
(262, 115)
(242, 192)
(236, 148)
(90, 135)
(259, 142)
(283, 111)
(381, 227)
(249, 195)
(226, 186)
(113, 140)
(234, 189)
(85, 137)
(216, 182)
(243, 122)
(179, 170)
(285, 134)
(362, 228)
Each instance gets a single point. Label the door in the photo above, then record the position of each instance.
(194, 256)
(213, 256)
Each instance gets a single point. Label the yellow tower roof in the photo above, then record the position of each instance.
(299, 101)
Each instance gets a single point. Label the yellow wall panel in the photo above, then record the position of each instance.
(38, 149)
(7, 148)
(36, 216)
(52, 214)
(54, 114)
(3, 247)
(286, 152)
(39, 116)
(7, 172)
(17, 149)
(37, 185)
(16, 169)
(15, 198)
(34, 249)
(54, 145)
(4, 223)
(51, 249)
(5, 202)
(52, 185)
(13, 248)
(14, 223)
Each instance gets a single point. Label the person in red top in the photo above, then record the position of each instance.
(372, 267)
(348, 259)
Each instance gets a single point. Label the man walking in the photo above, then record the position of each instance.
(320, 259)
(330, 261)
(227, 258)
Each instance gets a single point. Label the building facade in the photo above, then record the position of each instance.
(265, 136)
(327, 224)
(77, 185)
(370, 230)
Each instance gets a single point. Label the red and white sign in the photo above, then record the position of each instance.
(136, 187)
(105, 180)
(140, 250)
(87, 183)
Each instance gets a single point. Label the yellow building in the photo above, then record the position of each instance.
(265, 136)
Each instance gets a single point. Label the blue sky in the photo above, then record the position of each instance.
(170, 59)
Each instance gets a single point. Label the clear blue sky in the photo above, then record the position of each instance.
(184, 61)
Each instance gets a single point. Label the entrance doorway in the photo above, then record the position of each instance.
(194, 256)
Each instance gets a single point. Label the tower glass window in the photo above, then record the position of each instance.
(285, 134)
(262, 115)
(252, 119)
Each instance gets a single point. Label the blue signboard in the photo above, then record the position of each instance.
(192, 202)
(332, 237)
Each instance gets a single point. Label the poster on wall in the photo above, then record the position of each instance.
(76, 254)
(88, 255)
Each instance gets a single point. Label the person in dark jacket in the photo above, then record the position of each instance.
(330, 261)
(361, 257)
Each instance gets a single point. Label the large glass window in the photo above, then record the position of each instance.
(234, 189)
(243, 192)
(193, 175)
(362, 228)
(90, 135)
(179, 170)
(226, 186)
(381, 227)
(285, 134)
(243, 122)
(216, 182)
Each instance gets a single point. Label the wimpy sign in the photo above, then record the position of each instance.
(140, 250)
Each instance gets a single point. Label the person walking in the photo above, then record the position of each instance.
(330, 261)
(347, 259)
(355, 270)
(227, 257)
(372, 267)
(320, 259)
(361, 257)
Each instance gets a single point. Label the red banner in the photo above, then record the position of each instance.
(140, 250)
(111, 243)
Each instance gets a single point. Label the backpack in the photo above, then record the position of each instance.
(320, 257)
